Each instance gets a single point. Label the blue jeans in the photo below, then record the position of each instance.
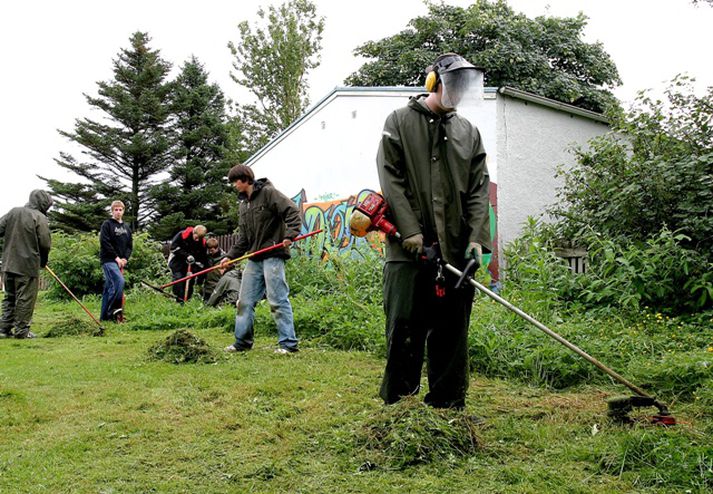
(113, 290)
(259, 278)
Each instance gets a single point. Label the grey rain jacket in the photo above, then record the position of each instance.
(27, 236)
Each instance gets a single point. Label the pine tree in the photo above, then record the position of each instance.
(196, 190)
(125, 150)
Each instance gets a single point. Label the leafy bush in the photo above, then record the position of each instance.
(658, 273)
(654, 169)
(75, 260)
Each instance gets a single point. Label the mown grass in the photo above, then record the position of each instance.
(97, 414)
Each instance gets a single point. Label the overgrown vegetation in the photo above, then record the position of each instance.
(639, 199)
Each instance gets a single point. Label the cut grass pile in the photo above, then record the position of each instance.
(71, 325)
(411, 433)
(183, 347)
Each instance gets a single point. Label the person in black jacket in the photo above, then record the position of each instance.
(115, 246)
(27, 246)
(188, 252)
(267, 218)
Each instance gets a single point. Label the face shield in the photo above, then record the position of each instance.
(461, 87)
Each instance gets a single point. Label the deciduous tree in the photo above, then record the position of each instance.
(545, 55)
(272, 62)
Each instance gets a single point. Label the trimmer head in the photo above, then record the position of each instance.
(620, 406)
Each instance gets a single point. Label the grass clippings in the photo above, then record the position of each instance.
(71, 325)
(183, 347)
(411, 433)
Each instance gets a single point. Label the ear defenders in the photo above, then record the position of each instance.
(432, 80)
(446, 63)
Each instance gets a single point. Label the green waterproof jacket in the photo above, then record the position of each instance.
(433, 175)
(266, 218)
(27, 236)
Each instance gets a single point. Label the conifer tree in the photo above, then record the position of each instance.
(125, 150)
(195, 192)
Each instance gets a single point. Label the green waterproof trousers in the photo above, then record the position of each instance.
(18, 304)
(417, 322)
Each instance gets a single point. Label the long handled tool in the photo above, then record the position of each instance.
(154, 287)
(618, 407)
(187, 289)
(101, 329)
(371, 215)
(242, 258)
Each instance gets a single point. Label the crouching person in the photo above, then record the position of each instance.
(267, 218)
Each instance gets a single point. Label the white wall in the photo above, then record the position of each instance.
(533, 141)
(332, 149)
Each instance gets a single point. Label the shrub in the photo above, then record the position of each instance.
(75, 260)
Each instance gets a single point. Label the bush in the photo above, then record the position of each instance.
(75, 260)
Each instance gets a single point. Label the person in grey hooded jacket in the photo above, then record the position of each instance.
(27, 243)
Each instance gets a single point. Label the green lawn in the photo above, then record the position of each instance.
(96, 414)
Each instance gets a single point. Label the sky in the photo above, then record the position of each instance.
(53, 52)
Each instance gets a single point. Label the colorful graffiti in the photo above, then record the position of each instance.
(332, 217)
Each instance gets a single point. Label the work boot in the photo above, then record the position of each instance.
(5, 334)
(25, 335)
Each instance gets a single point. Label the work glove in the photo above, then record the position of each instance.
(190, 259)
(474, 251)
(199, 265)
(414, 244)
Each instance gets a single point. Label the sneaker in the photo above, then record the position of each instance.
(285, 351)
(22, 336)
(233, 349)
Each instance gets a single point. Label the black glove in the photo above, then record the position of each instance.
(190, 259)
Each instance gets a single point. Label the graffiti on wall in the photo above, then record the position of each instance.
(332, 216)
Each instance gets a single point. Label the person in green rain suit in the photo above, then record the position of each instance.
(432, 172)
(26, 233)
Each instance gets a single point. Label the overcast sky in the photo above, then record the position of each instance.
(54, 51)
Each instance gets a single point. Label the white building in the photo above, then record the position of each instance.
(327, 158)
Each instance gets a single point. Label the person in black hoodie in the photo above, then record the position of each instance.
(115, 246)
(267, 218)
(27, 246)
(188, 252)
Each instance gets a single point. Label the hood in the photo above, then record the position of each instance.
(257, 187)
(418, 103)
(39, 200)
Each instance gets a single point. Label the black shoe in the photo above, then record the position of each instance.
(23, 336)
(3, 334)
(118, 315)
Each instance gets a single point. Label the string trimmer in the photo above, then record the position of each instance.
(374, 206)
